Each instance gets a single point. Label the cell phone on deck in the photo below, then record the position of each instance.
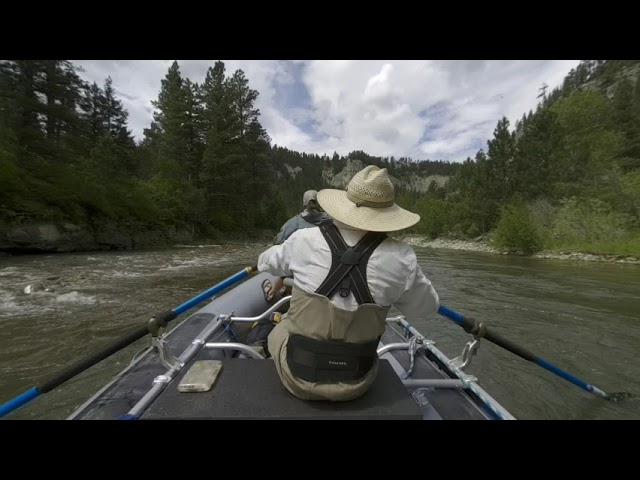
(201, 376)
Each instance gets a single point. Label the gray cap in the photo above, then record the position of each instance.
(308, 196)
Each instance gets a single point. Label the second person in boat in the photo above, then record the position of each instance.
(312, 216)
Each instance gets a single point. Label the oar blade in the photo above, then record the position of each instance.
(619, 396)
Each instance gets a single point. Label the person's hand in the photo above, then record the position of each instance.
(277, 286)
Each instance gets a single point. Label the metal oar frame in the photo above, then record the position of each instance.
(416, 342)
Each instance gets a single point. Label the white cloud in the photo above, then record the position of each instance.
(412, 108)
(288, 135)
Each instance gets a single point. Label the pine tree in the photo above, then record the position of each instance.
(169, 119)
(625, 105)
(500, 158)
(538, 151)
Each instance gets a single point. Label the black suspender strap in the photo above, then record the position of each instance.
(348, 264)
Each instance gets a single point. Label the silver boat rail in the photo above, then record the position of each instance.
(269, 311)
(456, 366)
(161, 381)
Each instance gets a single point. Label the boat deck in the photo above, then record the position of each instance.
(249, 389)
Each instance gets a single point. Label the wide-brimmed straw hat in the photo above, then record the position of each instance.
(368, 203)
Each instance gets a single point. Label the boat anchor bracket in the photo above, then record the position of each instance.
(160, 320)
(166, 356)
(464, 360)
(482, 331)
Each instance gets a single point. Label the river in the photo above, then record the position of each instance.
(583, 317)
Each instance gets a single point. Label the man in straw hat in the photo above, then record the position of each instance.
(347, 274)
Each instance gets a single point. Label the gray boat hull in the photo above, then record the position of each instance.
(249, 388)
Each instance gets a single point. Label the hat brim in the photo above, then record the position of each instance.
(389, 219)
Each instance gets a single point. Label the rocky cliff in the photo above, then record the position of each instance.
(409, 181)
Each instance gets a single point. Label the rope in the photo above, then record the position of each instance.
(413, 348)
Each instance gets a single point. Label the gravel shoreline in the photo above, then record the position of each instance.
(481, 246)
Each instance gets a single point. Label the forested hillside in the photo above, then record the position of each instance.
(72, 177)
(70, 172)
(567, 176)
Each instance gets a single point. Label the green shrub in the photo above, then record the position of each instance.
(589, 220)
(517, 231)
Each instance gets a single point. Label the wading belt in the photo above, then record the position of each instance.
(329, 360)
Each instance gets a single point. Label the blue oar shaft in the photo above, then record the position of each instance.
(567, 376)
(450, 314)
(18, 401)
(213, 290)
(470, 325)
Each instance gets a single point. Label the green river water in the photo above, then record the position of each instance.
(583, 317)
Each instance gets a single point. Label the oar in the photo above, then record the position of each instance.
(472, 326)
(159, 320)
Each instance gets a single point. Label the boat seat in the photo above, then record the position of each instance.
(250, 389)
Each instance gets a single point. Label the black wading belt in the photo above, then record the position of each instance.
(329, 360)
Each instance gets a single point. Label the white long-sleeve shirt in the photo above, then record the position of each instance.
(393, 274)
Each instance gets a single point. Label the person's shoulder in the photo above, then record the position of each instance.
(397, 242)
(287, 229)
(291, 220)
(289, 225)
(309, 233)
(400, 248)
(305, 234)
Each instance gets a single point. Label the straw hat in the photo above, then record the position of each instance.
(368, 203)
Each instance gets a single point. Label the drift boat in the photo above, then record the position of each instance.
(205, 369)
(415, 380)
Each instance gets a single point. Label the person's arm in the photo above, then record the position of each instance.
(419, 300)
(276, 259)
(280, 236)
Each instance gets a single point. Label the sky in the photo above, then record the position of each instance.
(422, 109)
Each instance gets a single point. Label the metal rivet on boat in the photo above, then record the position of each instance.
(162, 379)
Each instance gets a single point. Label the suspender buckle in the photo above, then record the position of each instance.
(345, 287)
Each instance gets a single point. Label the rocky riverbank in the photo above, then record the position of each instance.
(60, 237)
(54, 237)
(483, 246)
